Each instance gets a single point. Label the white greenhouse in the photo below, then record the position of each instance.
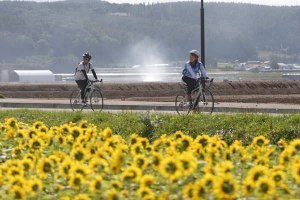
(32, 76)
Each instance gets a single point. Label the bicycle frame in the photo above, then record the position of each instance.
(200, 92)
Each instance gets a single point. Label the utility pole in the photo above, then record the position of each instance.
(202, 33)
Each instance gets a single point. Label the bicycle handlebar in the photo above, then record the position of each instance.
(95, 81)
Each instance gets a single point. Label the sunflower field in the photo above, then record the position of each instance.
(81, 161)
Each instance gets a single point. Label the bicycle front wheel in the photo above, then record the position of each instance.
(96, 100)
(182, 106)
(75, 101)
(206, 102)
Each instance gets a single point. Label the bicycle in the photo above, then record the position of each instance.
(202, 99)
(92, 94)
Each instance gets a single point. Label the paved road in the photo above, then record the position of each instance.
(156, 106)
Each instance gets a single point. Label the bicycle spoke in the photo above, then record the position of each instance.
(206, 102)
(75, 100)
(182, 105)
(96, 100)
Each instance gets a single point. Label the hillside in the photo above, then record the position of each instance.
(56, 34)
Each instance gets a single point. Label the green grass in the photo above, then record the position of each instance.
(230, 127)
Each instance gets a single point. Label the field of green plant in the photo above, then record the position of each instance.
(68, 155)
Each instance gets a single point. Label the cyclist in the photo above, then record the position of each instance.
(190, 71)
(81, 77)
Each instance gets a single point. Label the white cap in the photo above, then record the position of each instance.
(195, 52)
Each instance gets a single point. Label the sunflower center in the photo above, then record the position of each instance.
(171, 168)
(47, 167)
(227, 187)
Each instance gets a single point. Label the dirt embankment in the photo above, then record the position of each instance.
(235, 91)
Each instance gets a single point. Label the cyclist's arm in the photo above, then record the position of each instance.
(203, 71)
(94, 74)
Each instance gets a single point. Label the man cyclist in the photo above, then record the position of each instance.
(190, 71)
(81, 77)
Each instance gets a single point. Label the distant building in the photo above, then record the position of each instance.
(27, 76)
(295, 76)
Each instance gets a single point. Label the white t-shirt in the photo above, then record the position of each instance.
(78, 73)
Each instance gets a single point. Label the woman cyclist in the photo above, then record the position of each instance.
(190, 71)
(81, 76)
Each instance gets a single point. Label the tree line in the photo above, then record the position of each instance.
(54, 35)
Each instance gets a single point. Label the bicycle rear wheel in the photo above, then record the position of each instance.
(75, 101)
(182, 105)
(96, 100)
(206, 102)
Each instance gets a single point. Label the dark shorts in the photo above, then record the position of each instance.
(82, 85)
(191, 84)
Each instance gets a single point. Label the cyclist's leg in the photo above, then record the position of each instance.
(191, 83)
(82, 85)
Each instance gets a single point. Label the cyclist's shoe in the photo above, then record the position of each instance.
(83, 103)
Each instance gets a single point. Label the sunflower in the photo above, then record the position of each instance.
(36, 144)
(18, 192)
(44, 167)
(96, 184)
(203, 140)
(188, 191)
(62, 141)
(140, 161)
(136, 149)
(226, 187)
(224, 167)
(255, 173)
(188, 163)
(82, 197)
(31, 157)
(76, 132)
(296, 172)
(17, 181)
(170, 168)
(134, 138)
(286, 156)
(79, 168)
(262, 160)
(107, 133)
(27, 164)
(112, 194)
(260, 141)
(295, 144)
(145, 193)
(43, 128)
(65, 167)
(76, 180)
(15, 171)
(38, 124)
(22, 134)
(208, 180)
(35, 185)
(116, 161)
(11, 123)
(98, 165)
(78, 154)
(147, 180)
(278, 177)
(183, 143)
(131, 173)
(265, 187)
(10, 133)
(282, 144)
(199, 191)
(156, 160)
(116, 185)
(65, 129)
(248, 187)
